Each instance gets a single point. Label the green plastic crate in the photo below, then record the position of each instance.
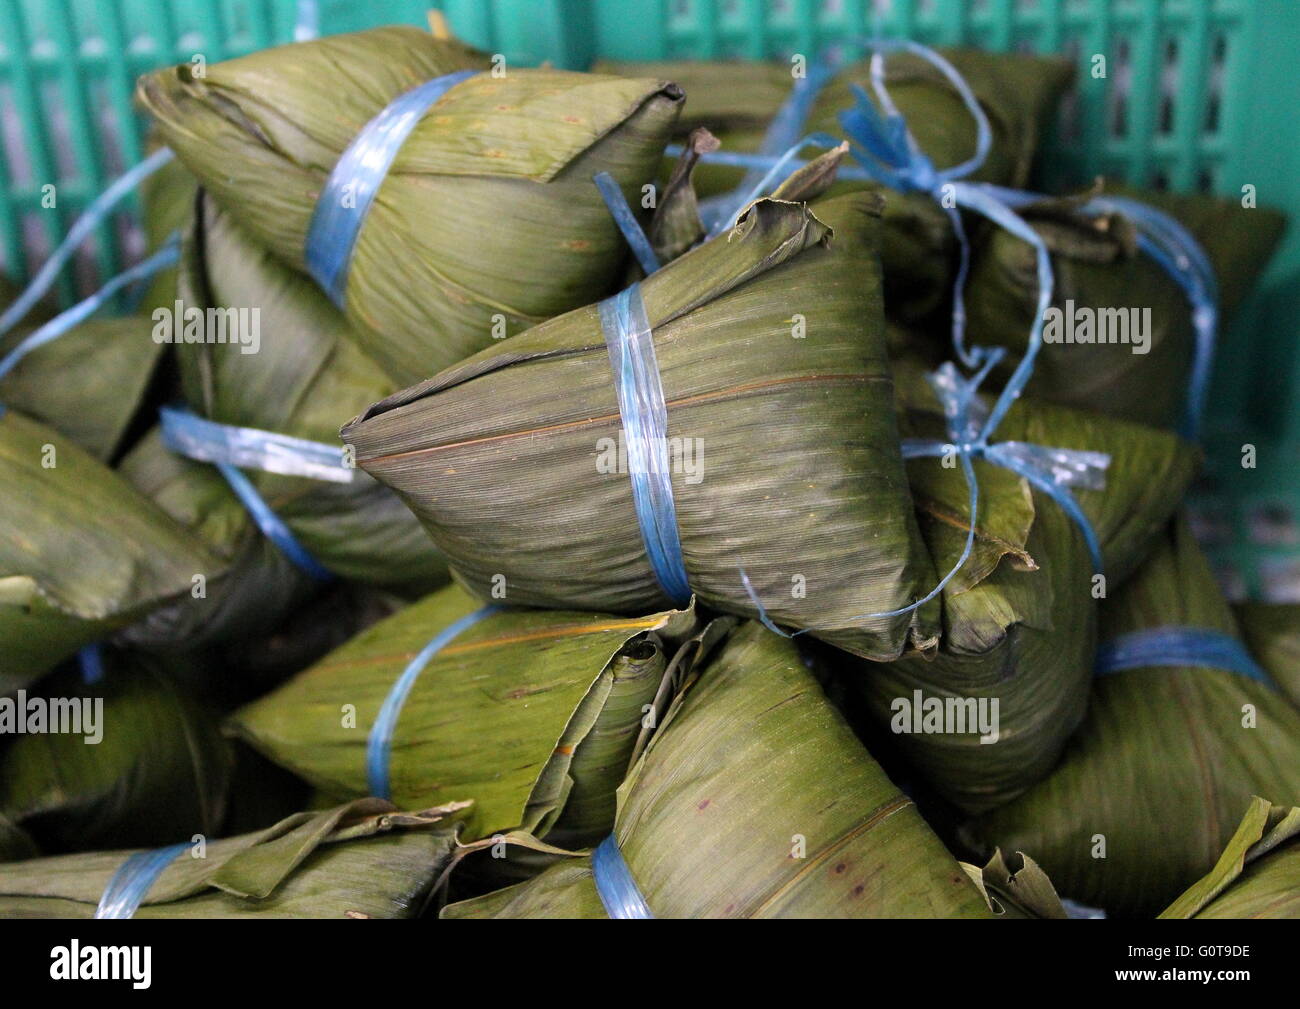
(1199, 95)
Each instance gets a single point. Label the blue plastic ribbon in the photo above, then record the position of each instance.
(307, 22)
(81, 228)
(350, 190)
(644, 414)
(626, 221)
(91, 661)
(1177, 252)
(1073, 909)
(1050, 470)
(379, 743)
(206, 440)
(783, 133)
(127, 888)
(614, 883)
(1178, 646)
(195, 438)
(78, 313)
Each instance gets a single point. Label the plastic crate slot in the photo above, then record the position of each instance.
(1118, 96)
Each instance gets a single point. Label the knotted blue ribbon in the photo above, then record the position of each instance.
(614, 883)
(128, 886)
(888, 154)
(379, 743)
(229, 448)
(644, 414)
(350, 190)
(1198, 647)
(1049, 470)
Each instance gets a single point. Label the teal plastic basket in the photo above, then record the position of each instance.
(1198, 95)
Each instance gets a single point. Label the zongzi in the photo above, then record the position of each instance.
(781, 443)
(486, 221)
(755, 800)
(1150, 787)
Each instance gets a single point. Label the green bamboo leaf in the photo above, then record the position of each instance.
(82, 554)
(1022, 636)
(1258, 875)
(151, 768)
(1020, 892)
(364, 859)
(556, 700)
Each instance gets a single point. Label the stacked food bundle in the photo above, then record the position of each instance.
(759, 607)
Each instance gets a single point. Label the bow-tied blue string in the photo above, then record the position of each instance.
(1050, 470)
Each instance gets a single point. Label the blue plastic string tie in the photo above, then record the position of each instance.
(644, 414)
(1178, 646)
(195, 437)
(1165, 240)
(272, 526)
(614, 883)
(348, 193)
(626, 221)
(782, 168)
(91, 661)
(888, 154)
(78, 313)
(379, 743)
(81, 228)
(128, 886)
(307, 23)
(1050, 470)
(191, 436)
(783, 133)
